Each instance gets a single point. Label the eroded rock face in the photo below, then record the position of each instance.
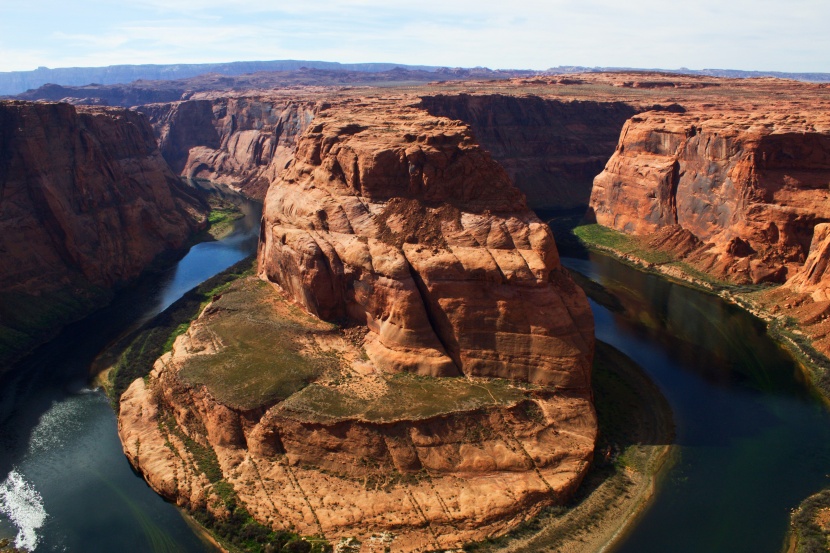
(456, 405)
(750, 188)
(551, 149)
(244, 142)
(87, 202)
(813, 277)
(402, 222)
(356, 453)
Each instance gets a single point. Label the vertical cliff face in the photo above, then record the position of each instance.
(86, 203)
(454, 401)
(551, 149)
(746, 191)
(403, 222)
(244, 142)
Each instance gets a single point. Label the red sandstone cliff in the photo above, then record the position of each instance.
(86, 203)
(403, 222)
(551, 149)
(242, 141)
(737, 194)
(399, 223)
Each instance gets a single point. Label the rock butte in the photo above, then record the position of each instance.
(87, 203)
(385, 211)
(399, 222)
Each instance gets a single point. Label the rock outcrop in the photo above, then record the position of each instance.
(456, 403)
(87, 203)
(244, 142)
(403, 222)
(551, 149)
(743, 190)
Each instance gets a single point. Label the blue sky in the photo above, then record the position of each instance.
(735, 34)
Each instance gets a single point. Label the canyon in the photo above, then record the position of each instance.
(88, 202)
(386, 213)
(410, 364)
(399, 226)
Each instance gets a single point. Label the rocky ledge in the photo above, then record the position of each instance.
(451, 402)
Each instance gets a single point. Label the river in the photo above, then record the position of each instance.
(65, 484)
(753, 441)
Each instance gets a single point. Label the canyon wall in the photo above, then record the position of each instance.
(401, 221)
(244, 142)
(737, 195)
(87, 203)
(454, 396)
(551, 149)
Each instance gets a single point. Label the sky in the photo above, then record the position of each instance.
(770, 35)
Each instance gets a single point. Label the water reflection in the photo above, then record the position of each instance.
(753, 441)
(67, 484)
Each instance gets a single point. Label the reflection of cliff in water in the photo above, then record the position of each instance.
(753, 441)
(59, 439)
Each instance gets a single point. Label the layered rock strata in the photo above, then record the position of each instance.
(87, 203)
(402, 222)
(462, 407)
(551, 149)
(737, 195)
(242, 141)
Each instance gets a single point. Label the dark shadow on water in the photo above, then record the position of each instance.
(753, 441)
(56, 375)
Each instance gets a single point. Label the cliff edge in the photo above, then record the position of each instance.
(86, 203)
(452, 400)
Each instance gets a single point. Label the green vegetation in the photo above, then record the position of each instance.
(815, 365)
(137, 352)
(604, 237)
(222, 215)
(406, 396)
(27, 320)
(237, 531)
(810, 524)
(633, 251)
(264, 357)
(635, 430)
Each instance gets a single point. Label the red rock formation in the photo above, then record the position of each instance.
(348, 455)
(749, 187)
(401, 221)
(551, 149)
(813, 277)
(244, 142)
(87, 203)
(397, 220)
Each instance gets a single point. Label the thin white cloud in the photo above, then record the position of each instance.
(743, 34)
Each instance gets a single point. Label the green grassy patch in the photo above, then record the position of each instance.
(263, 356)
(137, 352)
(222, 216)
(621, 244)
(407, 396)
(811, 536)
(814, 364)
(604, 237)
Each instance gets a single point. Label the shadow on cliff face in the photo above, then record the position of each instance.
(562, 222)
(551, 149)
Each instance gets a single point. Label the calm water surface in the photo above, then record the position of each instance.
(753, 441)
(65, 484)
